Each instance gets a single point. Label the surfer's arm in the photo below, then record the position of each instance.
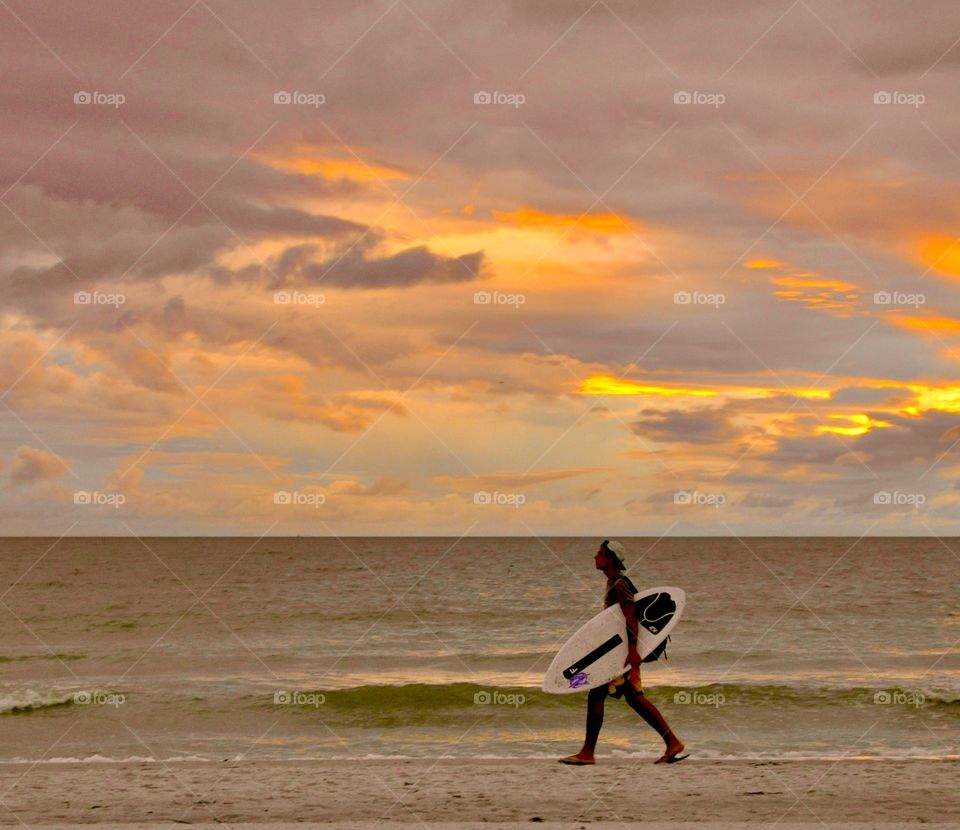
(626, 605)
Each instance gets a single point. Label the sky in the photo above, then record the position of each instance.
(545, 268)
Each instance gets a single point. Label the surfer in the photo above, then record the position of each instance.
(609, 559)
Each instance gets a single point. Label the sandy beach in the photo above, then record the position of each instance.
(461, 793)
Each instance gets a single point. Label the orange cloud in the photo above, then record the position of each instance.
(32, 465)
(804, 281)
(816, 291)
(859, 424)
(513, 481)
(284, 398)
(943, 398)
(941, 254)
(311, 161)
(605, 223)
(609, 385)
(764, 264)
(946, 325)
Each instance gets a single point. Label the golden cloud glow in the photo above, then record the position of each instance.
(763, 264)
(308, 160)
(805, 281)
(943, 398)
(858, 425)
(816, 291)
(609, 385)
(942, 254)
(606, 223)
(946, 325)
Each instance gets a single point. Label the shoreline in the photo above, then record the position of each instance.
(460, 793)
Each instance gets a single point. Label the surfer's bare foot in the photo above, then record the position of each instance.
(581, 759)
(672, 753)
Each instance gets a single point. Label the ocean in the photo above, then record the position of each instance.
(296, 648)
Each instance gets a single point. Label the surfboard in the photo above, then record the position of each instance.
(596, 653)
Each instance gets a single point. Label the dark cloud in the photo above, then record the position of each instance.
(868, 397)
(703, 426)
(357, 267)
(409, 267)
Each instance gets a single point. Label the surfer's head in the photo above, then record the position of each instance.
(610, 553)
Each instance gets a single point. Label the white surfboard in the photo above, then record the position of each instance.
(596, 653)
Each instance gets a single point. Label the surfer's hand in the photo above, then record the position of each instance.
(633, 658)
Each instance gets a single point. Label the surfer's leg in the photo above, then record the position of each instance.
(651, 714)
(595, 698)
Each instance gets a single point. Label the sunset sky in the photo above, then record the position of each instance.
(720, 244)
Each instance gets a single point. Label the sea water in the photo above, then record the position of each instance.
(206, 648)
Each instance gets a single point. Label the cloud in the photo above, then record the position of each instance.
(384, 486)
(31, 466)
(695, 199)
(512, 481)
(356, 270)
(701, 426)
